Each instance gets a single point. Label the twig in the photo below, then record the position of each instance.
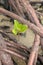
(11, 2)
(20, 8)
(17, 46)
(17, 51)
(6, 58)
(39, 13)
(33, 2)
(13, 53)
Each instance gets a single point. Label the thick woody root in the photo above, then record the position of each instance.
(0, 62)
(38, 28)
(22, 20)
(31, 13)
(35, 48)
(35, 60)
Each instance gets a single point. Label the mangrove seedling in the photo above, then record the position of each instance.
(19, 28)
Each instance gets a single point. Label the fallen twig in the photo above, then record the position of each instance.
(20, 8)
(11, 2)
(6, 58)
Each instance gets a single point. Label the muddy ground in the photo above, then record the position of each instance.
(26, 39)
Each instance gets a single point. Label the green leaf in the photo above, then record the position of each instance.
(24, 28)
(14, 31)
(19, 28)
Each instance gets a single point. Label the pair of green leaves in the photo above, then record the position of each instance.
(19, 28)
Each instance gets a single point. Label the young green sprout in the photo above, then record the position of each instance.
(19, 28)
